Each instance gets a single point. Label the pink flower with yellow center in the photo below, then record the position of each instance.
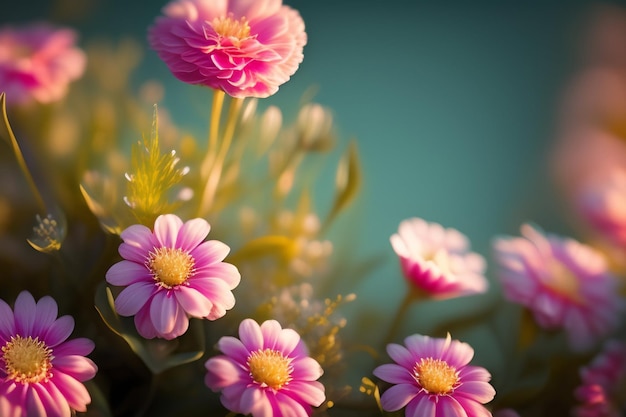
(603, 383)
(172, 274)
(438, 261)
(245, 48)
(431, 377)
(564, 283)
(41, 372)
(38, 62)
(266, 372)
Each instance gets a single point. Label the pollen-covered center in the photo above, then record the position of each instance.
(170, 266)
(270, 368)
(563, 282)
(435, 376)
(27, 360)
(228, 27)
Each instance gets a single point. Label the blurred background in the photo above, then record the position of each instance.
(454, 106)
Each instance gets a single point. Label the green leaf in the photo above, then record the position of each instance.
(348, 181)
(157, 354)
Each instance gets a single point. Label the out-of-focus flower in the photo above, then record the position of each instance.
(315, 127)
(431, 377)
(438, 261)
(603, 383)
(266, 372)
(564, 283)
(602, 203)
(41, 372)
(247, 49)
(172, 274)
(38, 62)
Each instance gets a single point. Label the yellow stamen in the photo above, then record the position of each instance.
(270, 368)
(170, 266)
(27, 360)
(231, 28)
(435, 376)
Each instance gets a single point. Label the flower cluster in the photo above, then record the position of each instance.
(210, 258)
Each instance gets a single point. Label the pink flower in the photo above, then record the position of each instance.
(172, 274)
(37, 63)
(564, 283)
(437, 260)
(266, 372)
(602, 383)
(40, 370)
(431, 377)
(245, 48)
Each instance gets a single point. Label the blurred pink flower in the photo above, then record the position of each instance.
(564, 283)
(38, 62)
(266, 372)
(438, 261)
(602, 383)
(40, 370)
(431, 377)
(245, 48)
(172, 274)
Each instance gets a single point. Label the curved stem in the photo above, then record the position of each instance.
(410, 296)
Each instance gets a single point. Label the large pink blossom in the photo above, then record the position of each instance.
(38, 62)
(432, 377)
(564, 283)
(438, 261)
(41, 372)
(603, 381)
(172, 274)
(245, 48)
(266, 372)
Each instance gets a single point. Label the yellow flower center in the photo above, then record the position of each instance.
(563, 282)
(228, 27)
(27, 360)
(170, 266)
(435, 376)
(270, 368)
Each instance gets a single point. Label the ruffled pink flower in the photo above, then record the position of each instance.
(266, 372)
(564, 283)
(41, 372)
(431, 377)
(438, 261)
(245, 48)
(172, 274)
(603, 383)
(38, 62)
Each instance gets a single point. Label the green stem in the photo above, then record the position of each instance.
(409, 297)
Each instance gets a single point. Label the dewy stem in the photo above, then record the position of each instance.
(217, 163)
(5, 129)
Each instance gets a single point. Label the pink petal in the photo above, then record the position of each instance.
(138, 241)
(24, 311)
(224, 271)
(306, 369)
(209, 252)
(397, 396)
(59, 331)
(45, 315)
(223, 372)
(400, 355)
(193, 302)
(215, 290)
(74, 391)
(284, 404)
(79, 346)
(255, 402)
(7, 322)
(450, 407)
(163, 311)
(166, 228)
(474, 409)
(232, 347)
(311, 392)
(134, 297)
(271, 331)
(192, 233)
(144, 324)
(421, 406)
(78, 367)
(250, 335)
(394, 374)
(126, 272)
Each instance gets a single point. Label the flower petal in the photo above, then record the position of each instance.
(166, 228)
(192, 233)
(397, 396)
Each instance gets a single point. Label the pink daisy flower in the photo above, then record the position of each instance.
(564, 283)
(603, 383)
(431, 377)
(38, 62)
(172, 274)
(40, 370)
(245, 48)
(438, 261)
(266, 372)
